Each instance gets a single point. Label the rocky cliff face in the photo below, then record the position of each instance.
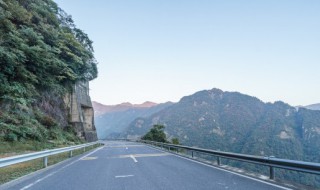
(53, 118)
(81, 111)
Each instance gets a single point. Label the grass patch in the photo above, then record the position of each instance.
(10, 173)
(15, 171)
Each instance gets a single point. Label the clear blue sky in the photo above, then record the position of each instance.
(161, 50)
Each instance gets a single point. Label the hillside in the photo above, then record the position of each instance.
(230, 121)
(117, 117)
(43, 56)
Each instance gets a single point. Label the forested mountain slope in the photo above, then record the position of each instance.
(230, 121)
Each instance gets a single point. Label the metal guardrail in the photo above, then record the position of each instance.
(42, 154)
(271, 162)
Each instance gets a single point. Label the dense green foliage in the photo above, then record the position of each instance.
(42, 55)
(40, 49)
(175, 141)
(233, 122)
(156, 133)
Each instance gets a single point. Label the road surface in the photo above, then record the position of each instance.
(132, 166)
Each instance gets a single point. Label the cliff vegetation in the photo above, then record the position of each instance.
(42, 55)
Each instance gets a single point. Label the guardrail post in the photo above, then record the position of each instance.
(271, 173)
(218, 161)
(169, 148)
(271, 169)
(84, 149)
(192, 153)
(70, 154)
(45, 161)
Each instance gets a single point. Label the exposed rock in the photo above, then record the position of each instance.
(81, 111)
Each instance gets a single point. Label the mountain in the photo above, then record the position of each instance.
(100, 109)
(313, 107)
(111, 120)
(234, 122)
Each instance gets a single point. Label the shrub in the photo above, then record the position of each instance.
(11, 137)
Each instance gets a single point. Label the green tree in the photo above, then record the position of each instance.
(175, 141)
(156, 133)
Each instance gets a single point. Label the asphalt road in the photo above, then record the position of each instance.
(131, 166)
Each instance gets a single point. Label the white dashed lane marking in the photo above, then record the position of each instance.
(123, 176)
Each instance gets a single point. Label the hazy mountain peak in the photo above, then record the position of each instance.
(125, 104)
(215, 90)
(204, 93)
(146, 104)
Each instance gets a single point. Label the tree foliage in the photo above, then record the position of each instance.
(175, 141)
(40, 49)
(156, 133)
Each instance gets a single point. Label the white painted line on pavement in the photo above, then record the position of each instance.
(32, 184)
(123, 176)
(50, 174)
(89, 158)
(133, 158)
(140, 155)
(89, 154)
(261, 181)
(28, 186)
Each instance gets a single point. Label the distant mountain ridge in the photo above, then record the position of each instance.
(111, 120)
(100, 109)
